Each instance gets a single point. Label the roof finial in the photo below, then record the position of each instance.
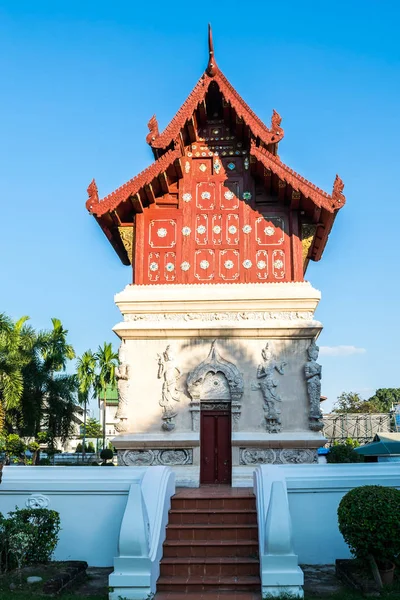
(212, 66)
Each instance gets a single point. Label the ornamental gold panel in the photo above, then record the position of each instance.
(307, 236)
(127, 235)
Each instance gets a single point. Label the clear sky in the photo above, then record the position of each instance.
(79, 81)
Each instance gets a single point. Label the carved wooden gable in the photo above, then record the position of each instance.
(222, 230)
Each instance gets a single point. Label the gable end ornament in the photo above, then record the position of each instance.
(212, 65)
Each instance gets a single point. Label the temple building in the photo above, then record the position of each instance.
(218, 350)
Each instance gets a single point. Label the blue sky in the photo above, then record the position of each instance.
(79, 81)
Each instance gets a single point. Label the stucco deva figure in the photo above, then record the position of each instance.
(268, 385)
(170, 392)
(312, 372)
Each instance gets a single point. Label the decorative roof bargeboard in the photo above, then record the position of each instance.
(331, 202)
(267, 135)
(99, 207)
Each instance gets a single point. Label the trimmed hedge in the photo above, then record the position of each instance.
(369, 520)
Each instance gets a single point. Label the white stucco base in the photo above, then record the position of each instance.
(183, 321)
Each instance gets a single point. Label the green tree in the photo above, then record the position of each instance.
(384, 399)
(86, 365)
(93, 428)
(48, 400)
(351, 402)
(107, 361)
(15, 446)
(16, 342)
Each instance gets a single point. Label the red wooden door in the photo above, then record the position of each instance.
(215, 447)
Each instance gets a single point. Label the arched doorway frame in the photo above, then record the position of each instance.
(214, 363)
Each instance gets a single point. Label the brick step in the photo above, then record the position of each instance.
(238, 502)
(212, 532)
(216, 516)
(210, 548)
(210, 567)
(208, 595)
(205, 584)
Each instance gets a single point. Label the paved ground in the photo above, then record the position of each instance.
(319, 580)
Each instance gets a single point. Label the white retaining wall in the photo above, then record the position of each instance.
(91, 502)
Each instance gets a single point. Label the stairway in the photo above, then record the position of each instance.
(211, 546)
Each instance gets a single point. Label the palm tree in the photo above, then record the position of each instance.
(48, 400)
(16, 343)
(86, 365)
(107, 361)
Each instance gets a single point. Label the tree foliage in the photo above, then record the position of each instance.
(93, 429)
(381, 402)
(36, 393)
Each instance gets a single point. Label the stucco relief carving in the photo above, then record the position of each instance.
(169, 372)
(313, 372)
(222, 316)
(122, 376)
(215, 370)
(261, 456)
(37, 501)
(268, 386)
(170, 457)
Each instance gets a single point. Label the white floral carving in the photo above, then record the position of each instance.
(269, 230)
(170, 266)
(261, 264)
(246, 196)
(278, 264)
(153, 266)
(187, 197)
(186, 230)
(229, 195)
(204, 264)
(162, 232)
(203, 167)
(247, 229)
(232, 229)
(187, 166)
(247, 264)
(201, 229)
(205, 195)
(217, 229)
(185, 266)
(228, 264)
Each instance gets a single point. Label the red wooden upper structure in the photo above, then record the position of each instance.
(217, 204)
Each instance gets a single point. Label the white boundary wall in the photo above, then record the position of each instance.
(297, 515)
(107, 515)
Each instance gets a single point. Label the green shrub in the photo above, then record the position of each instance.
(44, 462)
(106, 454)
(28, 536)
(369, 522)
(79, 448)
(343, 453)
(90, 448)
